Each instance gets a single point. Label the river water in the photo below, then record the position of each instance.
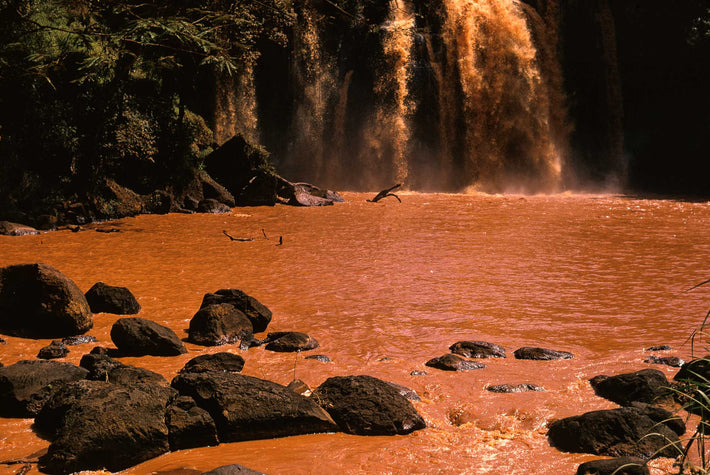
(386, 286)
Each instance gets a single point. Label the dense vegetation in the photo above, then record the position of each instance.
(105, 88)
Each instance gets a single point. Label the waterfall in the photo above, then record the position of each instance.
(235, 107)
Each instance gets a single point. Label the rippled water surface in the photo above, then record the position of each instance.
(386, 286)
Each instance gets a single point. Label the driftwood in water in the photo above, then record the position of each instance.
(385, 193)
(237, 239)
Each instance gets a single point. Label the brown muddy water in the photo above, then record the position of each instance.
(386, 286)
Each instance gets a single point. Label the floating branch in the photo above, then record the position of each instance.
(281, 240)
(264, 233)
(385, 193)
(237, 239)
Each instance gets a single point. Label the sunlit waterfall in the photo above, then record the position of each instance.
(235, 108)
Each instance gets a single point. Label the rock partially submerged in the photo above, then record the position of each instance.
(517, 388)
(14, 229)
(98, 425)
(451, 362)
(103, 298)
(210, 205)
(477, 349)
(219, 324)
(256, 312)
(648, 386)
(134, 336)
(364, 405)
(224, 362)
(640, 431)
(25, 385)
(321, 358)
(673, 361)
(615, 466)
(54, 350)
(247, 408)
(234, 469)
(38, 301)
(534, 353)
(286, 342)
(79, 340)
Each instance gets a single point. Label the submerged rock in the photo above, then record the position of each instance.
(533, 353)
(38, 301)
(616, 466)
(213, 206)
(518, 388)
(453, 363)
(25, 385)
(647, 385)
(226, 362)
(54, 350)
(285, 342)
(634, 431)
(219, 324)
(79, 340)
(98, 425)
(256, 312)
(14, 229)
(673, 361)
(104, 298)
(364, 405)
(135, 336)
(247, 408)
(659, 348)
(321, 358)
(478, 349)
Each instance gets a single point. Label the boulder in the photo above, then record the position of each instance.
(616, 466)
(260, 190)
(189, 426)
(219, 324)
(236, 162)
(673, 361)
(695, 371)
(210, 205)
(364, 405)
(114, 201)
(24, 386)
(98, 425)
(234, 469)
(451, 362)
(626, 431)
(478, 349)
(226, 362)
(286, 342)
(54, 350)
(134, 336)
(38, 301)
(160, 202)
(213, 190)
(305, 194)
(648, 385)
(14, 229)
(256, 312)
(517, 388)
(247, 408)
(532, 353)
(105, 368)
(79, 340)
(104, 298)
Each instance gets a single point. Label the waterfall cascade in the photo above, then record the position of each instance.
(438, 95)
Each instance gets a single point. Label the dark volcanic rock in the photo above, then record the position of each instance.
(616, 466)
(137, 337)
(256, 312)
(247, 408)
(695, 371)
(212, 189)
(321, 358)
(213, 206)
(477, 349)
(24, 386)
(616, 432)
(532, 353)
(13, 229)
(79, 340)
(518, 388)
(234, 469)
(219, 324)
(103, 425)
(647, 385)
(114, 201)
(290, 342)
(659, 348)
(104, 298)
(260, 190)
(36, 300)
(453, 363)
(54, 350)
(365, 405)
(189, 426)
(105, 368)
(673, 361)
(160, 202)
(226, 362)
